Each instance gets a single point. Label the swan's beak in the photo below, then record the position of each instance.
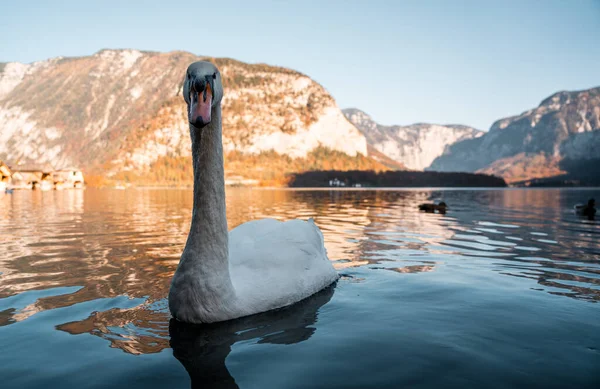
(200, 106)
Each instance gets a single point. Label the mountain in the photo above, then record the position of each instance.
(120, 114)
(415, 146)
(559, 138)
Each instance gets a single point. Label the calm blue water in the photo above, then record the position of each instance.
(501, 292)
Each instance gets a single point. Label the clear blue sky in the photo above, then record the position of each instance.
(467, 62)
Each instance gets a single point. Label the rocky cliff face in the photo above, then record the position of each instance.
(561, 135)
(415, 146)
(122, 110)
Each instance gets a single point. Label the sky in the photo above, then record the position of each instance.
(402, 62)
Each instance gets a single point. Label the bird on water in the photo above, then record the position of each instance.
(256, 267)
(431, 207)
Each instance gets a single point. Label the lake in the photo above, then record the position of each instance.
(502, 291)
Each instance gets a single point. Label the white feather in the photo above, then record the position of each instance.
(274, 264)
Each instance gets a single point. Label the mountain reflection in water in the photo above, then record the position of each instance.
(99, 262)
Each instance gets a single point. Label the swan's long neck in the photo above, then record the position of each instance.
(206, 255)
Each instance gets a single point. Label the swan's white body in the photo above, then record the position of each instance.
(258, 266)
(274, 263)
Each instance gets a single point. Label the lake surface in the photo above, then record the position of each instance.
(501, 292)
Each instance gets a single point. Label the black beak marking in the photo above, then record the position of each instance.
(198, 85)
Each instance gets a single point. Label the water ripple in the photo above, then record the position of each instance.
(105, 258)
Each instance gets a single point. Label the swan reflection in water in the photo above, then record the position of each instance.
(203, 348)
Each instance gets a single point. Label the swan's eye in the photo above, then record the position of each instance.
(214, 76)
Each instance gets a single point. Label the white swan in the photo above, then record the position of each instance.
(258, 266)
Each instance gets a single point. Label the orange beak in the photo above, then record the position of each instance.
(200, 107)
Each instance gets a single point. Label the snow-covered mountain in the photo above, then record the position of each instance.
(122, 111)
(416, 146)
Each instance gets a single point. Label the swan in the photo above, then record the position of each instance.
(256, 267)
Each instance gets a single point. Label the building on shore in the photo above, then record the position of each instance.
(68, 178)
(5, 176)
(37, 177)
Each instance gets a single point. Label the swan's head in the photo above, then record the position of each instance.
(202, 91)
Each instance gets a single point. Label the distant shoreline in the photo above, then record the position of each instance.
(351, 189)
(392, 179)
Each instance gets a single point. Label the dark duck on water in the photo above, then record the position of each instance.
(588, 210)
(431, 208)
